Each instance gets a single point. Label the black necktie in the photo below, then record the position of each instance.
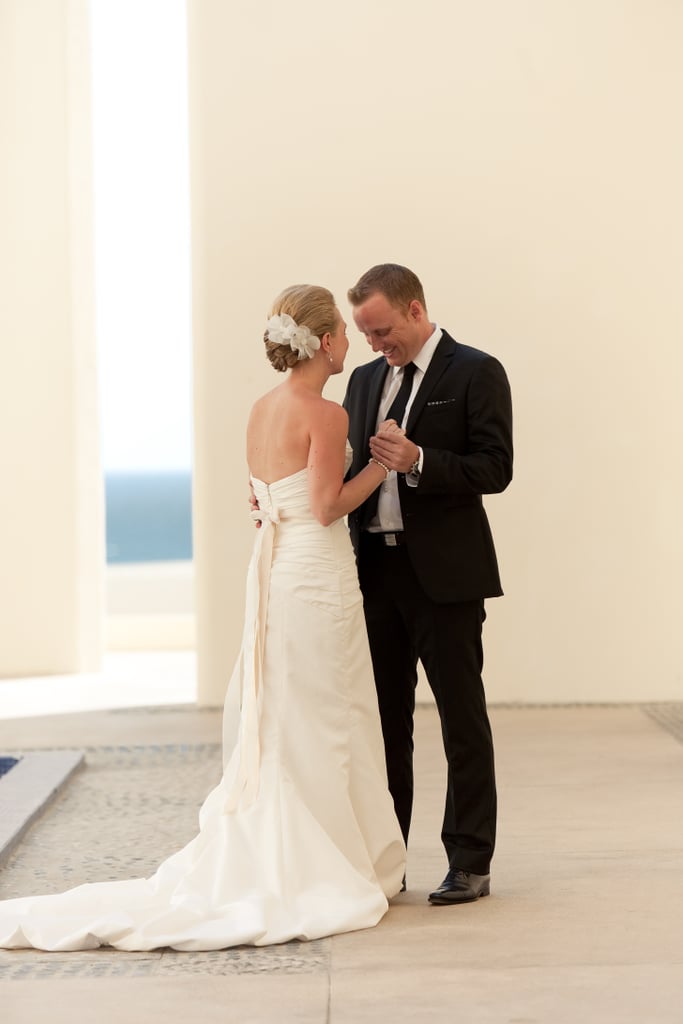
(397, 409)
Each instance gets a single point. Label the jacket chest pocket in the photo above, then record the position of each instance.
(441, 421)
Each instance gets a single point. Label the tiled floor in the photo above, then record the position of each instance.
(29, 787)
(583, 923)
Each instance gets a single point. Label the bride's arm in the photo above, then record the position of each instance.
(331, 498)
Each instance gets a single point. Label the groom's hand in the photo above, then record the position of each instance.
(253, 507)
(394, 449)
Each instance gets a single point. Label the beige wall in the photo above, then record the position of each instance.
(525, 159)
(51, 545)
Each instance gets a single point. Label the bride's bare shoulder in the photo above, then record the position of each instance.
(328, 412)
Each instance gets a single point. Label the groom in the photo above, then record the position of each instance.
(425, 553)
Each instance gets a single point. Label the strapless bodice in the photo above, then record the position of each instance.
(287, 499)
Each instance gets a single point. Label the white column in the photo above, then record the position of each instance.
(51, 494)
(227, 360)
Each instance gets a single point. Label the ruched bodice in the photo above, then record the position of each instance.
(285, 499)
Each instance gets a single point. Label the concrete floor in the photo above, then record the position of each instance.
(584, 922)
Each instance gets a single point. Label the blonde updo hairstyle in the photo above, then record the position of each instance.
(310, 306)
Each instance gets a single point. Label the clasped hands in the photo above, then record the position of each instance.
(391, 447)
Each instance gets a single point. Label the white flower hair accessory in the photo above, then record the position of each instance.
(283, 330)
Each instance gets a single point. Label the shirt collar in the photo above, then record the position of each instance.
(424, 356)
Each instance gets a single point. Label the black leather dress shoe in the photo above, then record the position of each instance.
(460, 887)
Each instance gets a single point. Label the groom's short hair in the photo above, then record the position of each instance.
(398, 284)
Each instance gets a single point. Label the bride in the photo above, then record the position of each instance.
(299, 839)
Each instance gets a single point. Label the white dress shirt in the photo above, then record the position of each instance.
(388, 518)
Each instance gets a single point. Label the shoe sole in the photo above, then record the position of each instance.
(444, 901)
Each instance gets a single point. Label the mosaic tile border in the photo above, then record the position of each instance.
(130, 808)
(288, 958)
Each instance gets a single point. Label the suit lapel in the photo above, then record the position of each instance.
(374, 395)
(440, 362)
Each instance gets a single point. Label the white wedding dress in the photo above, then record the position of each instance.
(299, 839)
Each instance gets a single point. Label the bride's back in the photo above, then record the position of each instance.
(279, 431)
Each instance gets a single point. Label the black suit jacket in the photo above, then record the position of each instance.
(462, 419)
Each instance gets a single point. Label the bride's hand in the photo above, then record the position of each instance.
(390, 427)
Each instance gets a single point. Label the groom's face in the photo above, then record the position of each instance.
(398, 334)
